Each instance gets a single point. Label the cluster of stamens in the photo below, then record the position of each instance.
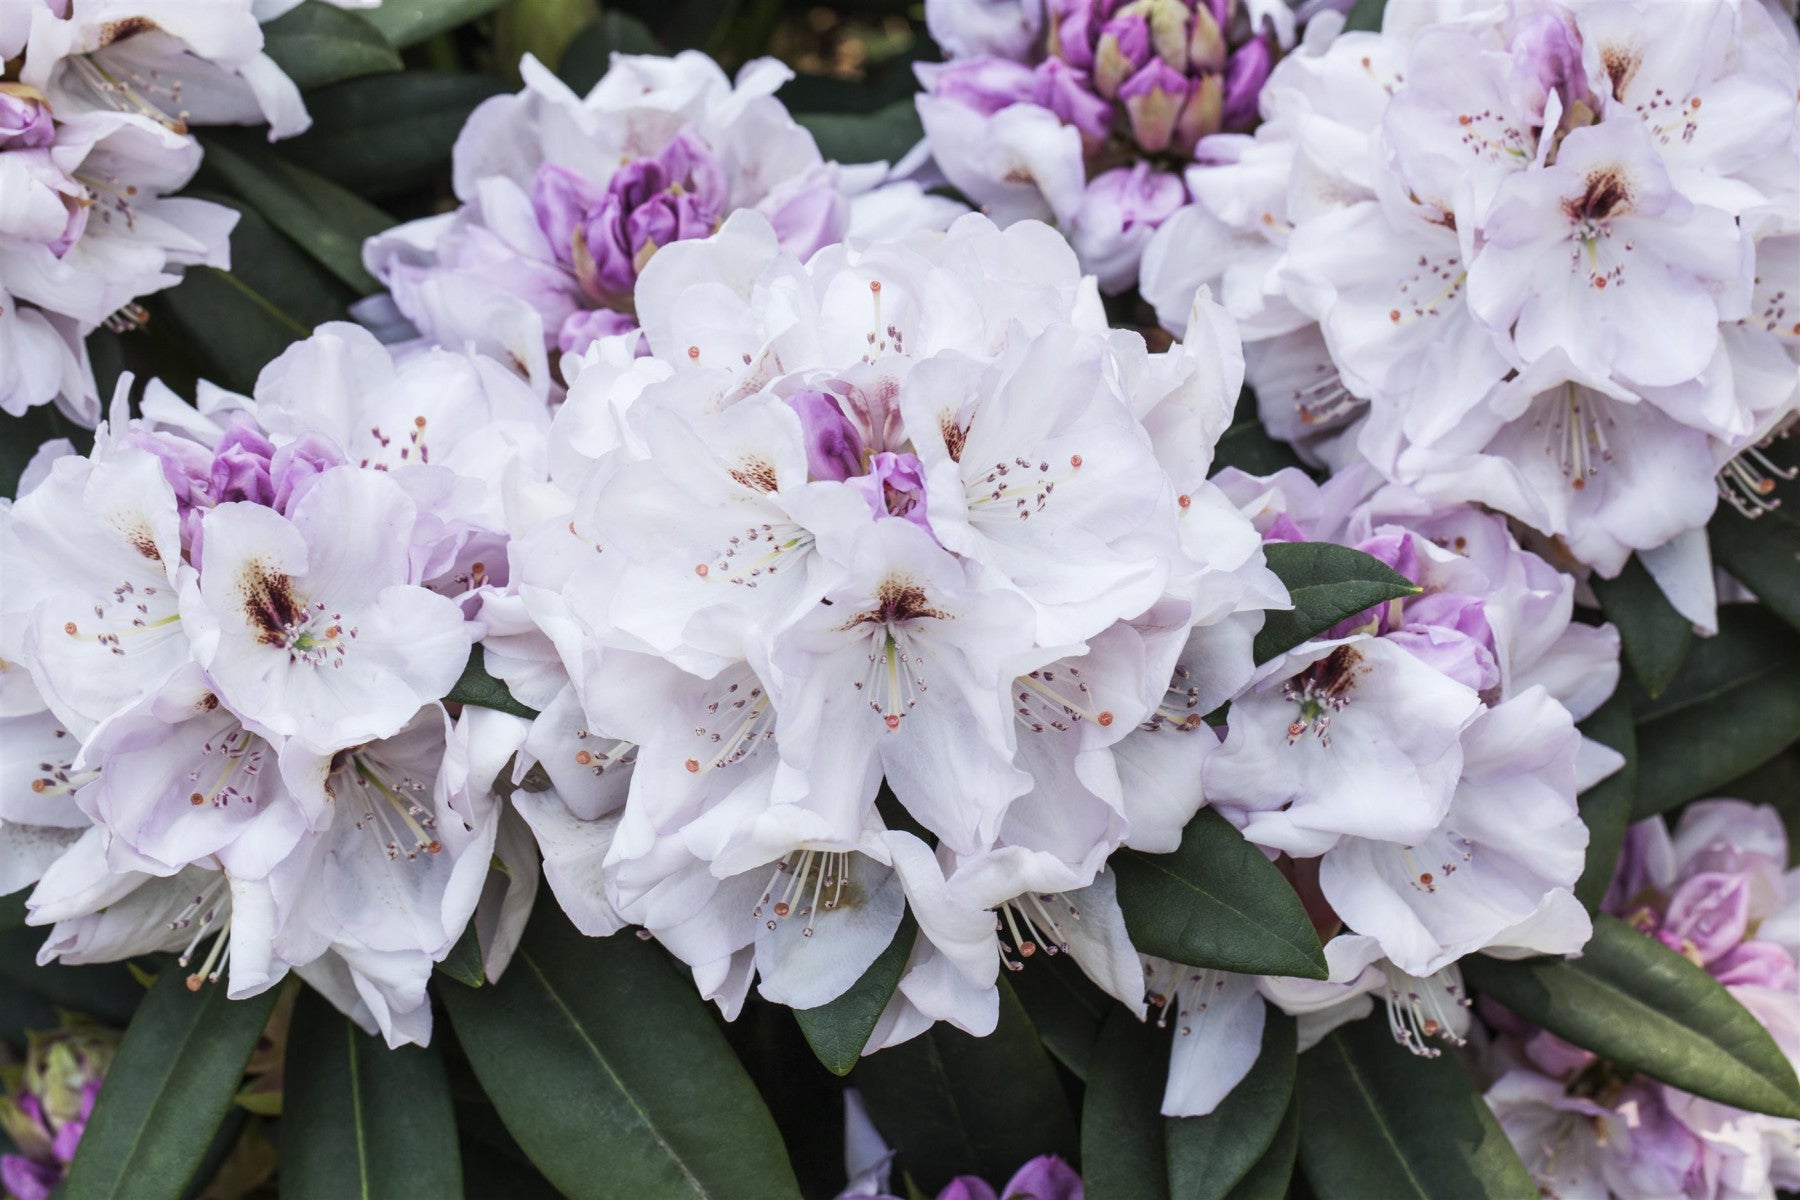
(202, 914)
(1019, 488)
(1042, 702)
(1033, 925)
(762, 549)
(737, 723)
(128, 612)
(1179, 709)
(1321, 690)
(236, 750)
(413, 440)
(392, 811)
(1419, 1010)
(787, 894)
(1180, 992)
(1748, 481)
(1575, 435)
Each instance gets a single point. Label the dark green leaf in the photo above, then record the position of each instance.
(106, 991)
(316, 44)
(1366, 15)
(1632, 1000)
(406, 22)
(1274, 1171)
(1764, 554)
(21, 436)
(886, 134)
(1328, 584)
(463, 963)
(588, 56)
(1065, 1007)
(1247, 446)
(606, 1066)
(479, 688)
(1217, 902)
(838, 1031)
(359, 1119)
(1383, 1124)
(1606, 807)
(1210, 1155)
(543, 29)
(952, 1104)
(1123, 1155)
(170, 1087)
(1655, 636)
(1734, 705)
(390, 133)
(326, 221)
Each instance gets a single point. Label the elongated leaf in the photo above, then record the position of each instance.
(588, 56)
(1217, 902)
(1246, 445)
(406, 22)
(1327, 584)
(170, 1087)
(1606, 807)
(1380, 1123)
(1632, 1000)
(608, 1070)
(1065, 1008)
(322, 218)
(104, 990)
(838, 1031)
(885, 134)
(1734, 705)
(390, 133)
(1274, 1171)
(317, 43)
(479, 688)
(1764, 554)
(952, 1104)
(359, 1119)
(1366, 15)
(463, 963)
(1123, 1154)
(1209, 1156)
(1655, 636)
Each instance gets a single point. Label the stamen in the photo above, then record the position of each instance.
(1033, 926)
(399, 821)
(1422, 1009)
(1041, 702)
(788, 886)
(1018, 489)
(1748, 482)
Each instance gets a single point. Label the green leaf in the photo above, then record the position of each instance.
(1246, 445)
(1065, 1007)
(479, 688)
(1606, 807)
(273, 296)
(1734, 705)
(21, 436)
(589, 55)
(359, 1119)
(316, 44)
(1366, 15)
(1123, 1154)
(606, 1066)
(1383, 1124)
(170, 1087)
(1655, 636)
(952, 1104)
(543, 29)
(407, 22)
(1764, 554)
(103, 990)
(1209, 1156)
(886, 134)
(326, 221)
(1217, 902)
(1634, 1001)
(1328, 584)
(463, 963)
(839, 1030)
(388, 134)
(1274, 1171)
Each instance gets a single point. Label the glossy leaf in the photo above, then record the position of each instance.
(170, 1087)
(385, 135)
(609, 1071)
(1764, 554)
(589, 55)
(1634, 1001)
(320, 217)
(318, 43)
(952, 1104)
(1246, 445)
(1065, 1008)
(103, 990)
(479, 688)
(1365, 15)
(406, 22)
(463, 963)
(359, 1119)
(1378, 1121)
(1734, 705)
(1209, 1156)
(838, 1031)
(1217, 902)
(1274, 1171)
(1606, 807)
(886, 134)
(1327, 584)
(1123, 1152)
(1654, 635)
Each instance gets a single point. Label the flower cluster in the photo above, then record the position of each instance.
(1539, 258)
(46, 1107)
(566, 198)
(96, 98)
(1718, 892)
(1084, 112)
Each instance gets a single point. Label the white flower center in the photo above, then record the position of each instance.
(737, 723)
(1575, 428)
(1017, 489)
(1055, 697)
(1421, 1009)
(391, 808)
(1034, 926)
(806, 884)
(203, 914)
(1180, 992)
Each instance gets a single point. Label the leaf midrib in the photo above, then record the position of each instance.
(130, 1156)
(1380, 1116)
(356, 1113)
(1192, 886)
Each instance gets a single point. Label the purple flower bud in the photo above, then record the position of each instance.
(895, 487)
(27, 1180)
(25, 121)
(1123, 48)
(1046, 1177)
(1207, 48)
(1708, 915)
(1555, 1057)
(967, 1187)
(1200, 116)
(1153, 99)
(586, 326)
(294, 467)
(834, 450)
(1244, 78)
(1169, 21)
(1756, 964)
(1546, 57)
(240, 466)
(984, 84)
(1063, 90)
(808, 217)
